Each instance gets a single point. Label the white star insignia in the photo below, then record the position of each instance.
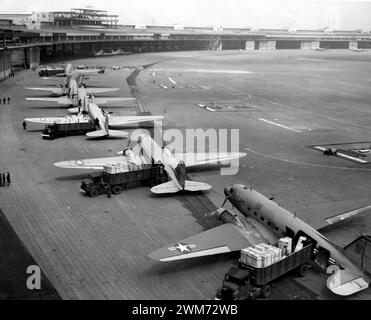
(182, 248)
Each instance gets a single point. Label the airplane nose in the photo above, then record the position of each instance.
(228, 191)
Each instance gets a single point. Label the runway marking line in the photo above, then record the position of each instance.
(279, 125)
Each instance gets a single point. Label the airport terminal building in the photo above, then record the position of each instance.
(27, 39)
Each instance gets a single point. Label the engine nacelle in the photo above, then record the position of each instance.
(128, 153)
(227, 216)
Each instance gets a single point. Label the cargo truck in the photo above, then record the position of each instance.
(56, 130)
(247, 282)
(147, 174)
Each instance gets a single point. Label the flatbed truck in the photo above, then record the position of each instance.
(247, 282)
(57, 130)
(100, 183)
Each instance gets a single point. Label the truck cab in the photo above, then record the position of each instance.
(236, 285)
(94, 185)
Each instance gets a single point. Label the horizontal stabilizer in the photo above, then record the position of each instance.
(167, 187)
(97, 134)
(110, 133)
(172, 187)
(343, 282)
(74, 110)
(196, 186)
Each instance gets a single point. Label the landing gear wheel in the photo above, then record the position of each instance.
(266, 291)
(117, 189)
(94, 193)
(302, 270)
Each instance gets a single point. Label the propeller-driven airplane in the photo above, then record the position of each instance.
(175, 165)
(103, 120)
(70, 89)
(78, 97)
(69, 70)
(263, 220)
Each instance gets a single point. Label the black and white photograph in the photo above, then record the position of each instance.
(207, 151)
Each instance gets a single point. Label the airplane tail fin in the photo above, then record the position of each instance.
(68, 69)
(344, 282)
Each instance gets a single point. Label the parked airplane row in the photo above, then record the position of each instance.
(258, 220)
(86, 106)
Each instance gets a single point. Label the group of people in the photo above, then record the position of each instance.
(4, 100)
(11, 73)
(5, 179)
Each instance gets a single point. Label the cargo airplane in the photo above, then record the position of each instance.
(174, 165)
(70, 88)
(263, 220)
(68, 71)
(78, 97)
(104, 121)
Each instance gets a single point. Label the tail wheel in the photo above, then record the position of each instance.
(302, 270)
(117, 189)
(266, 291)
(94, 193)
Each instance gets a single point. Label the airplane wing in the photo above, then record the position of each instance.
(221, 239)
(48, 120)
(195, 159)
(56, 91)
(91, 163)
(105, 100)
(61, 100)
(99, 90)
(126, 120)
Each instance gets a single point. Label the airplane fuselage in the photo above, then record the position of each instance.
(279, 220)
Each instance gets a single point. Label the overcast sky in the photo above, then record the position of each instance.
(300, 14)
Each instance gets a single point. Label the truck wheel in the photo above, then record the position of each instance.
(117, 189)
(266, 291)
(94, 193)
(302, 270)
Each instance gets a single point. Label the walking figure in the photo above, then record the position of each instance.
(24, 125)
(4, 100)
(8, 181)
(8, 100)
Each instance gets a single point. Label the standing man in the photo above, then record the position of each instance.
(8, 181)
(4, 100)
(4, 179)
(8, 100)
(24, 123)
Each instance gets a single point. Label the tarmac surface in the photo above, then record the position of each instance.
(97, 248)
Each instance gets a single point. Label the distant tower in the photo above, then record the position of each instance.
(334, 18)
